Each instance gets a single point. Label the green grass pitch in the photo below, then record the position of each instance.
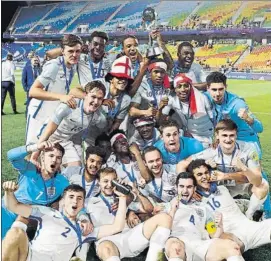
(256, 93)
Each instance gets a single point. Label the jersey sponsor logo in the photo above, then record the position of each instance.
(255, 156)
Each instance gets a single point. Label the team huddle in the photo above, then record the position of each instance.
(145, 152)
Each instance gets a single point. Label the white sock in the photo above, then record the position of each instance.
(19, 224)
(175, 259)
(113, 258)
(254, 205)
(157, 243)
(235, 258)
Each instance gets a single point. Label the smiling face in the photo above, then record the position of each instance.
(93, 164)
(51, 161)
(217, 91)
(183, 91)
(119, 83)
(121, 146)
(105, 183)
(146, 131)
(154, 162)
(186, 189)
(171, 139)
(93, 100)
(130, 48)
(186, 56)
(97, 48)
(202, 175)
(73, 203)
(227, 140)
(71, 54)
(157, 76)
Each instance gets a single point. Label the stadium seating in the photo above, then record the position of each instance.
(94, 15)
(256, 9)
(130, 15)
(60, 16)
(257, 59)
(28, 16)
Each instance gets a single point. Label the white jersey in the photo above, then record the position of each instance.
(56, 236)
(75, 175)
(190, 221)
(55, 77)
(244, 150)
(162, 188)
(72, 121)
(142, 144)
(87, 74)
(147, 94)
(127, 172)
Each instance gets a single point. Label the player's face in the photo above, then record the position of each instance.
(186, 189)
(154, 162)
(157, 76)
(106, 185)
(170, 137)
(51, 161)
(119, 83)
(227, 140)
(93, 164)
(106, 146)
(73, 203)
(183, 91)
(217, 91)
(130, 48)
(121, 146)
(71, 54)
(93, 100)
(202, 176)
(97, 47)
(186, 56)
(146, 131)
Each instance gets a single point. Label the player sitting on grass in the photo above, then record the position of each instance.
(238, 165)
(218, 198)
(36, 186)
(191, 225)
(59, 233)
(131, 242)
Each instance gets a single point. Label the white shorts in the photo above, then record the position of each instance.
(130, 243)
(240, 189)
(34, 129)
(72, 152)
(252, 234)
(37, 256)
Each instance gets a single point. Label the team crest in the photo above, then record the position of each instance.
(200, 212)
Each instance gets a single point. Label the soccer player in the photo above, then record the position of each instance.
(160, 182)
(218, 198)
(185, 64)
(103, 141)
(173, 147)
(146, 134)
(131, 242)
(191, 225)
(59, 233)
(193, 109)
(238, 163)
(86, 176)
(52, 87)
(66, 122)
(36, 186)
(229, 106)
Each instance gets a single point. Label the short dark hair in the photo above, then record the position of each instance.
(106, 171)
(93, 150)
(226, 124)
(59, 147)
(186, 175)
(74, 187)
(95, 84)
(194, 164)
(99, 34)
(70, 40)
(127, 37)
(10, 57)
(150, 149)
(184, 44)
(102, 137)
(168, 123)
(216, 77)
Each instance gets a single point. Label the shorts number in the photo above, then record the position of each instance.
(215, 204)
(64, 234)
(192, 219)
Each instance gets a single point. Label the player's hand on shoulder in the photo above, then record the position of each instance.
(109, 102)
(196, 196)
(10, 186)
(69, 100)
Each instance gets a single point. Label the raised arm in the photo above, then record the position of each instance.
(54, 53)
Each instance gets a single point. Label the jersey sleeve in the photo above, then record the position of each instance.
(124, 107)
(195, 146)
(62, 111)
(39, 211)
(205, 154)
(72, 170)
(49, 72)
(137, 97)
